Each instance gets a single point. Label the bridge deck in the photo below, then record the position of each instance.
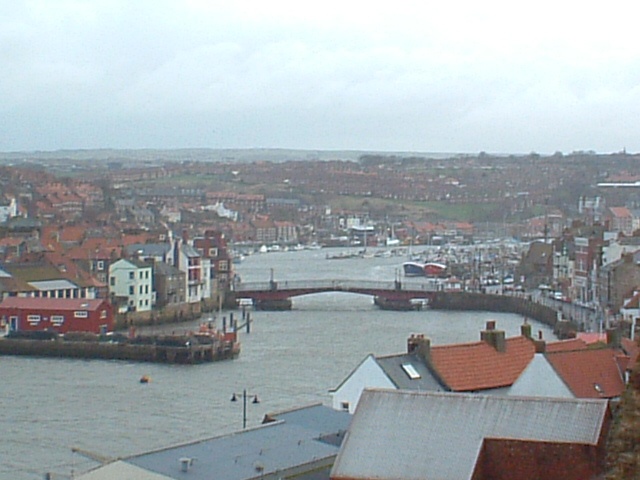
(287, 289)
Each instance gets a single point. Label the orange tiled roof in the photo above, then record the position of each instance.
(592, 337)
(479, 366)
(566, 345)
(11, 241)
(589, 373)
(620, 212)
(72, 234)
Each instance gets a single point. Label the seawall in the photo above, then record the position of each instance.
(503, 303)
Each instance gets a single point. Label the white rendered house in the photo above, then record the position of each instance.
(133, 280)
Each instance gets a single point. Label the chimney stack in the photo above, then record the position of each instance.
(540, 344)
(419, 345)
(525, 329)
(495, 338)
(613, 337)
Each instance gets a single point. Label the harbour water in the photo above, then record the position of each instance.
(289, 359)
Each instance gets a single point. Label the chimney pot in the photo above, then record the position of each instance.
(525, 329)
(419, 345)
(491, 325)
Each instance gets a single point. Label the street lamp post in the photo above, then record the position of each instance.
(234, 398)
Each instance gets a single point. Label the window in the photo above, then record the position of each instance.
(146, 289)
(103, 314)
(33, 319)
(223, 265)
(112, 281)
(81, 314)
(141, 275)
(410, 370)
(57, 319)
(213, 252)
(100, 265)
(132, 275)
(140, 289)
(146, 274)
(132, 290)
(344, 406)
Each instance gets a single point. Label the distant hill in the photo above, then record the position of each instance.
(204, 155)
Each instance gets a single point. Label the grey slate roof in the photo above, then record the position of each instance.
(392, 367)
(166, 269)
(294, 439)
(411, 435)
(148, 249)
(189, 251)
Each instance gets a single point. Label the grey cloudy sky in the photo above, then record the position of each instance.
(468, 76)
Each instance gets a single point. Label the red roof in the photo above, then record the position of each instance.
(566, 345)
(590, 373)
(479, 366)
(592, 337)
(620, 212)
(40, 303)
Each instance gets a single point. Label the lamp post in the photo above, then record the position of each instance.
(234, 398)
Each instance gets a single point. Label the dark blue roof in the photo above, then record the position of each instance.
(295, 438)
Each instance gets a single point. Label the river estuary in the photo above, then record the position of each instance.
(289, 359)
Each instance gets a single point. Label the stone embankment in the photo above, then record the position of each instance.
(503, 303)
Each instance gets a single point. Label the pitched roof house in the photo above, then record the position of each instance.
(474, 437)
(489, 365)
(583, 373)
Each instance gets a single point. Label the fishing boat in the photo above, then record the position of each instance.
(419, 269)
(413, 269)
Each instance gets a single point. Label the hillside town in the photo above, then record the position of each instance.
(92, 251)
(161, 238)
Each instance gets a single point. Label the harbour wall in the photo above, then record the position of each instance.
(193, 353)
(503, 303)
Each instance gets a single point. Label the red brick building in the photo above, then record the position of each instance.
(60, 315)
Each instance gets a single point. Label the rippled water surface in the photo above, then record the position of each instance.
(289, 359)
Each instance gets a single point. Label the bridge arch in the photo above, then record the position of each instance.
(395, 295)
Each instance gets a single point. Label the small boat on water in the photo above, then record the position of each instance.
(419, 269)
(413, 269)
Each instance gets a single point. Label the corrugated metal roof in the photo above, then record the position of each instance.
(413, 436)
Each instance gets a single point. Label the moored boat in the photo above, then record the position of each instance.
(413, 269)
(418, 269)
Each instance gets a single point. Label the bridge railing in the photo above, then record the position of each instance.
(345, 285)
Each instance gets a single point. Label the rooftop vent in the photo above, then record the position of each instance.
(185, 463)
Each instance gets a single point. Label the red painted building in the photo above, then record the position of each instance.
(60, 315)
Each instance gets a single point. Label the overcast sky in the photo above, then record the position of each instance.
(423, 76)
